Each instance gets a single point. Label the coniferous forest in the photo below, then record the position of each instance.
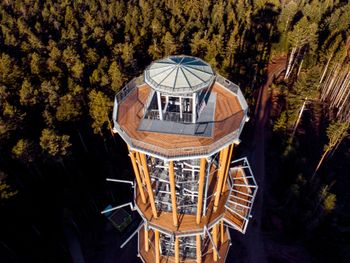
(61, 63)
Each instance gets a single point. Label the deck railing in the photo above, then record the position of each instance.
(181, 152)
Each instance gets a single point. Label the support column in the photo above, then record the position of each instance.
(181, 107)
(160, 110)
(227, 167)
(173, 192)
(156, 245)
(200, 189)
(137, 175)
(215, 240)
(148, 184)
(222, 231)
(146, 239)
(166, 103)
(194, 106)
(198, 248)
(137, 155)
(177, 253)
(221, 173)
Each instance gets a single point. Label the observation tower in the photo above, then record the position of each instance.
(181, 122)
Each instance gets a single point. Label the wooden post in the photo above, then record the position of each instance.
(222, 231)
(215, 240)
(198, 248)
(138, 178)
(221, 173)
(173, 192)
(146, 239)
(227, 167)
(200, 190)
(137, 155)
(148, 184)
(177, 253)
(156, 246)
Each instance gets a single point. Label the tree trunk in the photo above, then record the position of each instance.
(299, 117)
(320, 163)
(325, 69)
(292, 62)
(299, 69)
(82, 141)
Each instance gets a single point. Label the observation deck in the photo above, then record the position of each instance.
(216, 117)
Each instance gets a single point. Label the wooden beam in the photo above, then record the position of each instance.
(200, 189)
(138, 177)
(222, 231)
(215, 240)
(198, 248)
(156, 246)
(137, 155)
(146, 239)
(227, 167)
(221, 173)
(173, 192)
(177, 253)
(148, 184)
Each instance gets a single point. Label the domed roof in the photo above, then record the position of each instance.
(179, 74)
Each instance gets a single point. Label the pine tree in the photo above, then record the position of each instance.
(99, 107)
(54, 144)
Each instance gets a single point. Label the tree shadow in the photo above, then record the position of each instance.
(253, 56)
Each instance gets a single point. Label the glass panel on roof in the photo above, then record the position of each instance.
(181, 81)
(192, 78)
(157, 71)
(160, 77)
(170, 79)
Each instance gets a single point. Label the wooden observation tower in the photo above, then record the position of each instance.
(182, 122)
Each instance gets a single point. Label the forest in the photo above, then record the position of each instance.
(61, 63)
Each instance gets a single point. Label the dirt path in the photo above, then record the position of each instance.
(252, 242)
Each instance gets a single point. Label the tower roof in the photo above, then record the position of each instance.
(179, 75)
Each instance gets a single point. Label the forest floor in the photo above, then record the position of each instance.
(251, 245)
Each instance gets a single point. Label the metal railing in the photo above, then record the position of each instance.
(132, 84)
(153, 114)
(179, 153)
(227, 84)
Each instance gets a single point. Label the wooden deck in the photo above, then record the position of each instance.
(227, 119)
(207, 252)
(187, 223)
